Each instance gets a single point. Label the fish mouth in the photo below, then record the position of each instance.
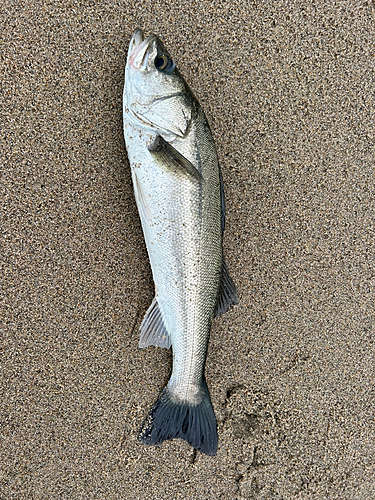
(138, 49)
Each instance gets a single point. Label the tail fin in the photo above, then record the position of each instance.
(169, 419)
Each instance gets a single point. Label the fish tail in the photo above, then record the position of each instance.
(170, 419)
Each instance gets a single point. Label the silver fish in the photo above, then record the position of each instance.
(178, 190)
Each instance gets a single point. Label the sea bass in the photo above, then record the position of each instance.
(179, 195)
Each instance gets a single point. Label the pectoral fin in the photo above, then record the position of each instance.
(165, 154)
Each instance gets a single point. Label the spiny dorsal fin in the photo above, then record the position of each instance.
(222, 201)
(227, 295)
(165, 154)
(153, 331)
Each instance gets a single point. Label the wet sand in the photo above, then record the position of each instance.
(289, 92)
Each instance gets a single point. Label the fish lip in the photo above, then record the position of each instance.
(138, 48)
(138, 37)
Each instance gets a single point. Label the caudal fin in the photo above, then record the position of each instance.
(169, 419)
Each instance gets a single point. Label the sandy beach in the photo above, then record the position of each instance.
(288, 89)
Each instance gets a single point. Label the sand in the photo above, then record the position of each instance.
(288, 88)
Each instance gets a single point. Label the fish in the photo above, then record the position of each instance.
(179, 194)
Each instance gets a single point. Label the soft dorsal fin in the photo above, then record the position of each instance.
(165, 154)
(227, 295)
(153, 331)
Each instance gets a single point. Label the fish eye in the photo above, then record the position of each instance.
(164, 63)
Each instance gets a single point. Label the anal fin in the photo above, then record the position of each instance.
(153, 331)
(227, 295)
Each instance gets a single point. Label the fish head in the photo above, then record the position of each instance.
(156, 96)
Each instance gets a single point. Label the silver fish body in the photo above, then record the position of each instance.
(178, 191)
